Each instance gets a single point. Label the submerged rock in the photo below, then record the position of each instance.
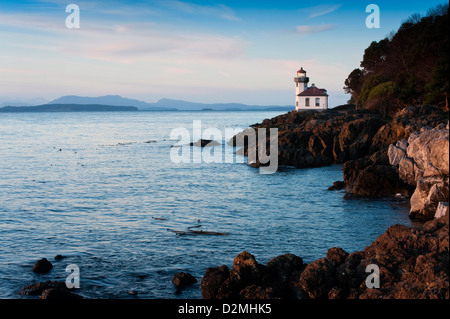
(49, 290)
(338, 185)
(205, 143)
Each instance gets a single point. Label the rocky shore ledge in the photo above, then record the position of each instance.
(406, 155)
(413, 264)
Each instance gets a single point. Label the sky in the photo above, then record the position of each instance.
(201, 51)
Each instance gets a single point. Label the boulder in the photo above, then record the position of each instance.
(59, 257)
(430, 152)
(318, 278)
(338, 185)
(281, 274)
(182, 280)
(42, 266)
(336, 256)
(246, 270)
(430, 191)
(213, 280)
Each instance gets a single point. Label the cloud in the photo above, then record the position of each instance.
(322, 10)
(118, 42)
(220, 10)
(312, 29)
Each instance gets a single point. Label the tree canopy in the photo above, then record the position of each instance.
(409, 67)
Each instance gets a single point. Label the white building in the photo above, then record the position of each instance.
(308, 98)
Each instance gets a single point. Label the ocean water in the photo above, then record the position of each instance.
(102, 190)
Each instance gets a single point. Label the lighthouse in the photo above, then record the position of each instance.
(308, 98)
(301, 81)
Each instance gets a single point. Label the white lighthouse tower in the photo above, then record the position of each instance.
(301, 84)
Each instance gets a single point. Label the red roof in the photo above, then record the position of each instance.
(313, 91)
(301, 71)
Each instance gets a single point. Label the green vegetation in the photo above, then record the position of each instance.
(409, 67)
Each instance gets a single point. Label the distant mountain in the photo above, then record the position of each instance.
(68, 108)
(192, 106)
(165, 104)
(75, 103)
(26, 102)
(113, 100)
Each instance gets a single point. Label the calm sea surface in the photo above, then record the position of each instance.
(89, 187)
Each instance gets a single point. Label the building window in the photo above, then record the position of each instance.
(296, 103)
(307, 101)
(317, 101)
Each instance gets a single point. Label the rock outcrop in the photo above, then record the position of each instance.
(413, 263)
(314, 139)
(363, 141)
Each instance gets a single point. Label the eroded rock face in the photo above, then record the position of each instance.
(430, 152)
(413, 263)
(425, 166)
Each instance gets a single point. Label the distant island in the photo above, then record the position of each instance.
(73, 103)
(69, 108)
